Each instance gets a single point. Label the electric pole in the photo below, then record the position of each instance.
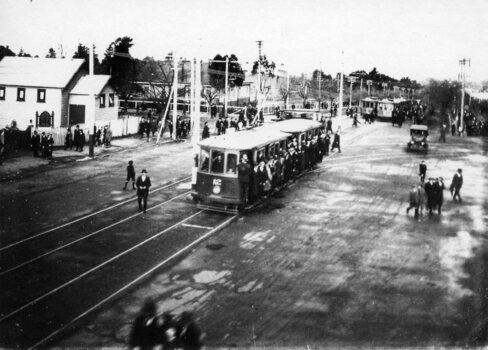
(260, 44)
(175, 91)
(463, 63)
(341, 87)
(226, 84)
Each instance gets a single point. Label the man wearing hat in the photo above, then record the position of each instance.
(430, 190)
(456, 184)
(244, 176)
(143, 183)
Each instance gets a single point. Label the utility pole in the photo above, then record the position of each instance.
(226, 84)
(320, 80)
(91, 131)
(260, 44)
(351, 81)
(463, 63)
(287, 90)
(175, 91)
(341, 87)
(369, 83)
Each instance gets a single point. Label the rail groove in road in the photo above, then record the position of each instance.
(87, 236)
(134, 282)
(90, 215)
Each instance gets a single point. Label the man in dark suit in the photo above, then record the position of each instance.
(244, 176)
(422, 171)
(431, 191)
(143, 183)
(36, 143)
(456, 184)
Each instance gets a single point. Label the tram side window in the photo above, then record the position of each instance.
(217, 165)
(231, 163)
(205, 161)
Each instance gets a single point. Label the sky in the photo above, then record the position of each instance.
(420, 39)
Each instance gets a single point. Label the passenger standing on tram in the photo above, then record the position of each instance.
(321, 147)
(327, 144)
(287, 166)
(143, 183)
(261, 178)
(244, 176)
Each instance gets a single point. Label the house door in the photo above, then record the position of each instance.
(76, 114)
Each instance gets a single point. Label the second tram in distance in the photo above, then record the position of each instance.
(217, 185)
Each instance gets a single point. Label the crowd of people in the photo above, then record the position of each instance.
(430, 195)
(269, 174)
(152, 330)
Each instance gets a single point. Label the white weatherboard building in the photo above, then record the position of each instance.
(54, 94)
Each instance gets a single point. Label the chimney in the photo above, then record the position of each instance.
(91, 62)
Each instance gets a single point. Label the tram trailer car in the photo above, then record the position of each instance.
(217, 185)
(384, 106)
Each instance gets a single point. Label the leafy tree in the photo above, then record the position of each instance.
(5, 51)
(122, 67)
(22, 53)
(216, 72)
(266, 73)
(83, 51)
(442, 94)
(51, 53)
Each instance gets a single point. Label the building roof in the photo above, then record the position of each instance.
(38, 72)
(90, 84)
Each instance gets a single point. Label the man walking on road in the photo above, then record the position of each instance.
(439, 186)
(456, 184)
(143, 183)
(443, 132)
(430, 190)
(414, 200)
(422, 171)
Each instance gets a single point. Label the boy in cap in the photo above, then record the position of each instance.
(143, 183)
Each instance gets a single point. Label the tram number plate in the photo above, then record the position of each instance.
(217, 182)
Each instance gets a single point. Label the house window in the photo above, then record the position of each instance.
(102, 100)
(2, 92)
(45, 120)
(41, 95)
(111, 100)
(21, 94)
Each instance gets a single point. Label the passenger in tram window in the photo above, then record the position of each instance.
(231, 164)
(262, 178)
(205, 162)
(287, 166)
(218, 163)
(320, 148)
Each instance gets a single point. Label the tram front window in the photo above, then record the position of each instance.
(217, 162)
(231, 163)
(205, 160)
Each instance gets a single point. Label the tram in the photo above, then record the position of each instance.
(216, 187)
(384, 107)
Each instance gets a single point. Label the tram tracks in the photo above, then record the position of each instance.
(44, 291)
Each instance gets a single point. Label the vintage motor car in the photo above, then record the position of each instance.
(418, 138)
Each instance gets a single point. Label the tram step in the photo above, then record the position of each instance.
(230, 209)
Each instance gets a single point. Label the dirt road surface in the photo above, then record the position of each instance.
(335, 260)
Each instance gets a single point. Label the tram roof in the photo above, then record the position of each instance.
(244, 139)
(296, 125)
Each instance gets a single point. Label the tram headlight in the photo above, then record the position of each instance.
(216, 189)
